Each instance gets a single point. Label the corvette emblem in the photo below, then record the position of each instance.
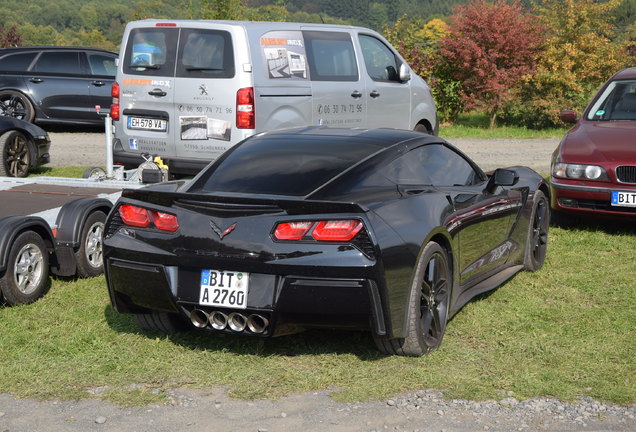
(222, 233)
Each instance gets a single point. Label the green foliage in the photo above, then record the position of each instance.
(577, 57)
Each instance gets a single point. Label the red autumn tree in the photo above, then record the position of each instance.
(9, 37)
(490, 47)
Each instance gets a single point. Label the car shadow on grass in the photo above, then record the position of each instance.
(308, 342)
(612, 226)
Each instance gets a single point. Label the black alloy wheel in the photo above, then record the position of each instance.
(14, 104)
(15, 154)
(537, 242)
(428, 306)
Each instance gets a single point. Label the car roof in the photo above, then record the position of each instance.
(629, 73)
(53, 48)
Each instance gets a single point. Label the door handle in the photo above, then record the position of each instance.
(98, 83)
(36, 80)
(157, 92)
(356, 94)
(374, 94)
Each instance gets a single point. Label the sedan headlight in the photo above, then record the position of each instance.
(579, 171)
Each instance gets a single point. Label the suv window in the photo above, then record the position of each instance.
(432, 164)
(62, 62)
(17, 62)
(379, 59)
(101, 64)
(151, 51)
(331, 56)
(205, 54)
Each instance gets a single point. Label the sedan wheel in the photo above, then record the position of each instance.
(15, 156)
(537, 242)
(428, 306)
(26, 278)
(14, 104)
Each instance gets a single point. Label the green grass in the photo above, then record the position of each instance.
(476, 126)
(566, 331)
(75, 172)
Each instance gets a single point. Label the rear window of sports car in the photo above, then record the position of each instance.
(287, 167)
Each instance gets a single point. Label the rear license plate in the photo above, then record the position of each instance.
(224, 289)
(624, 199)
(147, 124)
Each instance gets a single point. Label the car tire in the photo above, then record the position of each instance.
(428, 306)
(15, 154)
(538, 226)
(26, 278)
(15, 104)
(422, 128)
(89, 256)
(161, 322)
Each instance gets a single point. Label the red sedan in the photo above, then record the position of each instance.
(594, 166)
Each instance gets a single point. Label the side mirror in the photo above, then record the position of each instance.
(501, 177)
(405, 73)
(568, 116)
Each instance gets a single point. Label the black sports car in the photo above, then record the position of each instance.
(387, 230)
(22, 146)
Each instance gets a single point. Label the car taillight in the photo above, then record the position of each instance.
(134, 216)
(114, 107)
(292, 230)
(325, 230)
(336, 230)
(165, 221)
(245, 112)
(141, 217)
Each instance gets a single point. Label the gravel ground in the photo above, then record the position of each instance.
(425, 410)
(87, 149)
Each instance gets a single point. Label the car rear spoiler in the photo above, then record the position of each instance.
(239, 202)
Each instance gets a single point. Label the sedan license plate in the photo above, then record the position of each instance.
(147, 124)
(224, 289)
(624, 199)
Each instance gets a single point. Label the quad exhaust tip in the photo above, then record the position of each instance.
(236, 321)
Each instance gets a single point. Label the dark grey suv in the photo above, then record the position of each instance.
(55, 84)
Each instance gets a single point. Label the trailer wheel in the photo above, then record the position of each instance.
(94, 173)
(89, 257)
(27, 276)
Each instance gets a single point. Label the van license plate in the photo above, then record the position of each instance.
(624, 199)
(147, 124)
(224, 289)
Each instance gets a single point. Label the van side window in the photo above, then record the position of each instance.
(379, 59)
(330, 56)
(205, 54)
(151, 51)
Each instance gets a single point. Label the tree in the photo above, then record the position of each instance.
(490, 47)
(577, 57)
(9, 37)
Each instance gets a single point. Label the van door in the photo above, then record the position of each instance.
(338, 90)
(389, 103)
(146, 83)
(206, 86)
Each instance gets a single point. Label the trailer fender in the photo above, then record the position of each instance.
(72, 216)
(12, 226)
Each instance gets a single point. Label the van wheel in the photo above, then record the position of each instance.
(27, 276)
(422, 128)
(90, 257)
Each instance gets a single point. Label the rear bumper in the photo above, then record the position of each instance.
(583, 199)
(287, 302)
(176, 166)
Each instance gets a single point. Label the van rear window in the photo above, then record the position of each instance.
(201, 53)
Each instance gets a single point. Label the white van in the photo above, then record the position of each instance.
(188, 90)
